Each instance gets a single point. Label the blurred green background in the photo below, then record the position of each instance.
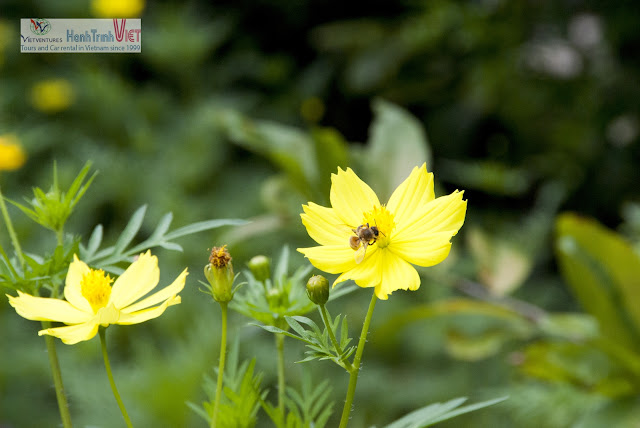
(243, 109)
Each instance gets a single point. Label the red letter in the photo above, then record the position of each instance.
(119, 30)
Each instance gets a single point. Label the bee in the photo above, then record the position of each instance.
(364, 237)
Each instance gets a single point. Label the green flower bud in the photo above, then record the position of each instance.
(260, 268)
(318, 289)
(219, 273)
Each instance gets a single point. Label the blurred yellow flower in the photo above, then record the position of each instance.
(117, 8)
(375, 245)
(91, 301)
(52, 95)
(12, 155)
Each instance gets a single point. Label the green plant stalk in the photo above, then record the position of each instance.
(12, 232)
(63, 405)
(327, 323)
(355, 369)
(281, 383)
(107, 366)
(223, 354)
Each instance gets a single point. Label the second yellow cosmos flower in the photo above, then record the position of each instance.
(91, 301)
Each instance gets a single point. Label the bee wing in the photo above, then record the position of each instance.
(344, 228)
(361, 252)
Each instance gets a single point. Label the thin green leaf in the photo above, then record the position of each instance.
(202, 226)
(94, 241)
(131, 230)
(282, 267)
(162, 227)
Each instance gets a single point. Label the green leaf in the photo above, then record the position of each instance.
(331, 152)
(580, 365)
(287, 147)
(397, 143)
(439, 412)
(603, 272)
(109, 257)
(162, 227)
(95, 240)
(131, 230)
(202, 226)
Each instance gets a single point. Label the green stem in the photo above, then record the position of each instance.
(353, 377)
(12, 233)
(223, 353)
(327, 323)
(280, 347)
(107, 366)
(63, 405)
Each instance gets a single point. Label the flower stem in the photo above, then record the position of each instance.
(12, 232)
(63, 405)
(223, 353)
(327, 323)
(107, 366)
(355, 369)
(280, 347)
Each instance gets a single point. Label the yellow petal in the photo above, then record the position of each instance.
(72, 288)
(45, 309)
(351, 197)
(421, 251)
(164, 294)
(412, 195)
(397, 274)
(139, 278)
(74, 333)
(330, 258)
(147, 314)
(366, 274)
(445, 213)
(324, 226)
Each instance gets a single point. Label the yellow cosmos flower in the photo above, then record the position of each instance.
(91, 301)
(52, 95)
(414, 227)
(117, 8)
(12, 155)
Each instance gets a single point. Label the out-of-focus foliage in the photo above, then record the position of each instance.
(243, 109)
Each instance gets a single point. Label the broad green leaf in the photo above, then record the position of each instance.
(331, 152)
(287, 147)
(578, 364)
(570, 326)
(397, 143)
(457, 306)
(603, 272)
(476, 346)
(502, 265)
(623, 413)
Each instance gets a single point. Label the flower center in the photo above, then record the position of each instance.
(96, 288)
(381, 218)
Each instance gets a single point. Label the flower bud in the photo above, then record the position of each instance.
(318, 289)
(219, 273)
(260, 268)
